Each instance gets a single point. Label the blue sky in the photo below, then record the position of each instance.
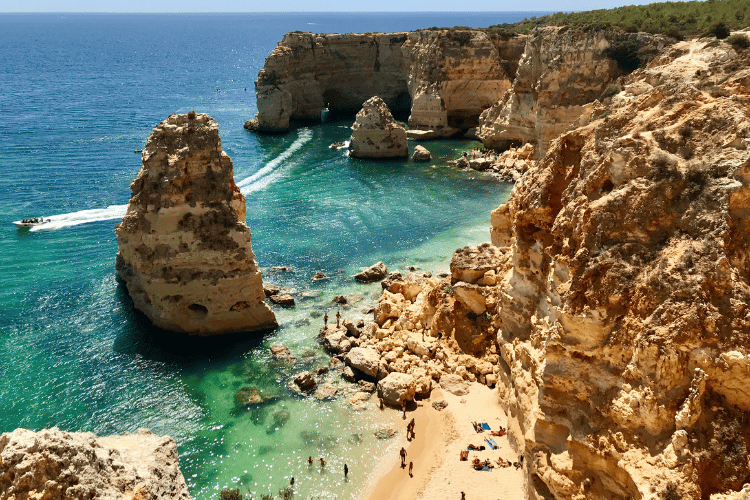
(303, 5)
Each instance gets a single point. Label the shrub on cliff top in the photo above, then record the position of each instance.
(720, 31)
(739, 42)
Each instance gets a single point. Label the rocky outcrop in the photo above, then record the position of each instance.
(624, 318)
(446, 78)
(421, 153)
(184, 250)
(55, 465)
(375, 272)
(375, 134)
(562, 71)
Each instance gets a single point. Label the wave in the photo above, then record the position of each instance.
(83, 217)
(271, 172)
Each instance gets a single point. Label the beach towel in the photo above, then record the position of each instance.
(485, 426)
(486, 468)
(494, 443)
(464, 455)
(490, 442)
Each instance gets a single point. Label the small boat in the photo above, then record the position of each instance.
(27, 223)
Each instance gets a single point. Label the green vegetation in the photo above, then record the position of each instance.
(675, 19)
(739, 42)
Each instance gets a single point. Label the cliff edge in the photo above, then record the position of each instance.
(184, 250)
(54, 465)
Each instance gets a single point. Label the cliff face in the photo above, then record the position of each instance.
(623, 322)
(446, 78)
(54, 465)
(613, 310)
(306, 73)
(184, 249)
(561, 71)
(455, 75)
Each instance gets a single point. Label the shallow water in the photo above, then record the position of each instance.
(78, 95)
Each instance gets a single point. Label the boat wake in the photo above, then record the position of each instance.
(82, 217)
(271, 172)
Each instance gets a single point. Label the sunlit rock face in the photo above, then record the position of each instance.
(561, 72)
(184, 250)
(375, 134)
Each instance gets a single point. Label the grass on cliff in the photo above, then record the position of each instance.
(676, 19)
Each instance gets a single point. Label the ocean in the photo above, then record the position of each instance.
(79, 94)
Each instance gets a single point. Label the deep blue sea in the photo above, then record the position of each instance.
(78, 95)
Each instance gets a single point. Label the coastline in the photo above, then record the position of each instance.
(435, 451)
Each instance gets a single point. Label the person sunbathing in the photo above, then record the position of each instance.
(476, 448)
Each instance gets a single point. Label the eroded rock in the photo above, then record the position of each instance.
(376, 134)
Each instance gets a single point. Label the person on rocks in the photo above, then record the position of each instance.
(325, 320)
(338, 319)
(403, 457)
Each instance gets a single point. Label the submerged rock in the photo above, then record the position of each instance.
(184, 250)
(248, 396)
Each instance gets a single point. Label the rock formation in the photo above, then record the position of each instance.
(613, 311)
(421, 153)
(446, 78)
(562, 70)
(375, 134)
(184, 249)
(306, 73)
(55, 465)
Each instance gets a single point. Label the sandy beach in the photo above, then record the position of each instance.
(435, 452)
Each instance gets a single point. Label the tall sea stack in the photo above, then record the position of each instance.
(184, 249)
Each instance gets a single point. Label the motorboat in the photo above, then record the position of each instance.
(33, 222)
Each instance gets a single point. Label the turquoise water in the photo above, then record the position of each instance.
(80, 93)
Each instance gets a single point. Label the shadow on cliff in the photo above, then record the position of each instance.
(138, 336)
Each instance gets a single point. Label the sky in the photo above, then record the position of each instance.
(305, 5)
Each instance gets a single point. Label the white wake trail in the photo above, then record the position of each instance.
(272, 171)
(82, 217)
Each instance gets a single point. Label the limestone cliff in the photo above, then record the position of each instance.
(375, 134)
(613, 311)
(55, 465)
(445, 77)
(454, 75)
(306, 73)
(561, 71)
(184, 249)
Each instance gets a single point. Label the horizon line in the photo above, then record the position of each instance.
(291, 12)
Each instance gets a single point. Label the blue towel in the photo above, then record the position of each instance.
(486, 468)
(485, 426)
(494, 443)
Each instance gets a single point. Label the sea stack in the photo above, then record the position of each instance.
(184, 249)
(375, 134)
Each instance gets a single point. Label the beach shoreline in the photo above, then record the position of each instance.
(440, 436)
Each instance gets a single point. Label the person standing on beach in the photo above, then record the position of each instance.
(411, 467)
(403, 457)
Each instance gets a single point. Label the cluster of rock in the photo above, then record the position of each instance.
(55, 465)
(184, 250)
(612, 307)
(508, 165)
(376, 134)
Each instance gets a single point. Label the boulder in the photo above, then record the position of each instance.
(351, 328)
(326, 391)
(421, 153)
(454, 384)
(269, 290)
(336, 341)
(282, 299)
(470, 296)
(375, 272)
(184, 249)
(440, 404)
(364, 359)
(366, 386)
(397, 388)
(304, 382)
(319, 276)
(375, 134)
(349, 374)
